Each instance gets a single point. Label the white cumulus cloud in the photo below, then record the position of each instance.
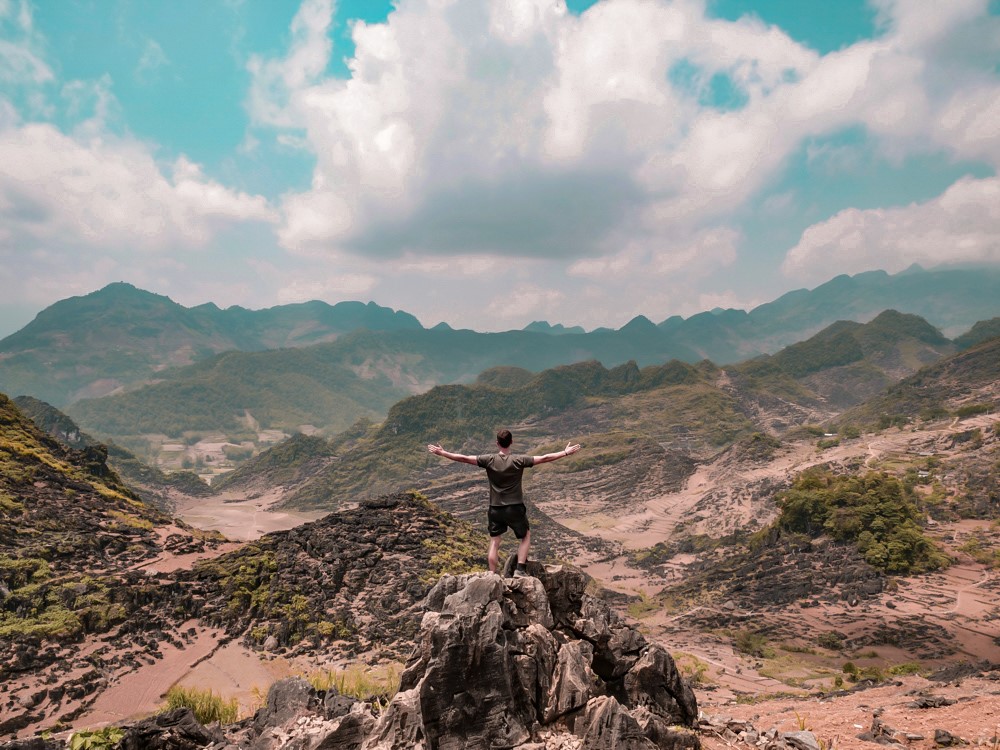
(960, 226)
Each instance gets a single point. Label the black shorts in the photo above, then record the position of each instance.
(514, 516)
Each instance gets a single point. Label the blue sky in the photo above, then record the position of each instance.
(491, 163)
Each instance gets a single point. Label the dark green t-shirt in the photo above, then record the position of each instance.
(504, 471)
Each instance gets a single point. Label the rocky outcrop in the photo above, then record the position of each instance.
(357, 576)
(531, 662)
(498, 660)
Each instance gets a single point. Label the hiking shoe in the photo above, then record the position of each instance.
(520, 574)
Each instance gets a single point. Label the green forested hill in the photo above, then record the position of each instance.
(614, 411)
(849, 362)
(981, 331)
(149, 483)
(330, 386)
(119, 336)
(964, 383)
(697, 408)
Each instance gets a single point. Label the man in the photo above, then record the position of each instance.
(506, 495)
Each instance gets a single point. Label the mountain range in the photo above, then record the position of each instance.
(173, 370)
(90, 575)
(671, 415)
(121, 337)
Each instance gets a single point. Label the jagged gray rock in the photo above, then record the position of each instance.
(607, 725)
(655, 683)
(498, 660)
(172, 730)
(520, 663)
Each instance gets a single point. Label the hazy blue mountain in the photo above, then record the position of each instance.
(543, 326)
(120, 335)
(950, 299)
(628, 408)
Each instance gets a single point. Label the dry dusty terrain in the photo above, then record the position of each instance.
(241, 519)
(953, 616)
(959, 605)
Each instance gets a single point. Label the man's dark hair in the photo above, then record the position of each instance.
(504, 438)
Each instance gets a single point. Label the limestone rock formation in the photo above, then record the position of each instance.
(499, 660)
(521, 663)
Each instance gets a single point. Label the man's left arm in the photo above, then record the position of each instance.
(569, 450)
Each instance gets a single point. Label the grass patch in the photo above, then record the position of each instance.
(751, 699)
(206, 705)
(130, 521)
(752, 644)
(908, 667)
(644, 606)
(692, 668)
(9, 506)
(373, 686)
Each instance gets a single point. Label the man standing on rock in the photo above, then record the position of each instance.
(504, 470)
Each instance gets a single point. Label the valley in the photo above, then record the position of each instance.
(805, 532)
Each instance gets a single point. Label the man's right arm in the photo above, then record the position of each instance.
(437, 450)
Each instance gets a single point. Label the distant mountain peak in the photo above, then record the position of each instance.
(543, 326)
(638, 324)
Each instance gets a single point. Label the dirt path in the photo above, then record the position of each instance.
(241, 519)
(142, 690)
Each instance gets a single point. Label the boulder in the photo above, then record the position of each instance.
(172, 730)
(655, 683)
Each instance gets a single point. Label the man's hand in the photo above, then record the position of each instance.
(569, 450)
(437, 450)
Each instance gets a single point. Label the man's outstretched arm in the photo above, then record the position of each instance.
(437, 450)
(569, 450)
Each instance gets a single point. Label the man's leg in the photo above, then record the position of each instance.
(522, 548)
(494, 553)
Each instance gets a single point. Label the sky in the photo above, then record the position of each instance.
(488, 163)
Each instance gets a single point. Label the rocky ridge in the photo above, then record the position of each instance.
(75, 602)
(151, 485)
(531, 662)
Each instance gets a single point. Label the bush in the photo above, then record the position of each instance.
(97, 739)
(752, 644)
(831, 640)
(971, 410)
(876, 512)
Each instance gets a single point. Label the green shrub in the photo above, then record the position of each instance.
(971, 410)
(909, 667)
(849, 431)
(753, 644)
(97, 739)
(876, 512)
(831, 640)
(691, 667)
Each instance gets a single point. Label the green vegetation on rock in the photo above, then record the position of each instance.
(876, 512)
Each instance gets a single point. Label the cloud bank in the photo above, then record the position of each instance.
(488, 162)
